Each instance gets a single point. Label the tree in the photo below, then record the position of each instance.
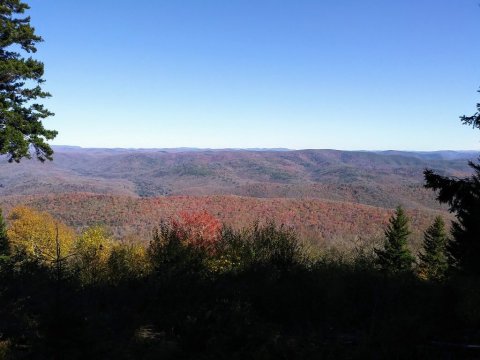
(170, 256)
(433, 259)
(127, 260)
(92, 252)
(4, 245)
(463, 197)
(473, 120)
(39, 235)
(198, 229)
(20, 87)
(395, 257)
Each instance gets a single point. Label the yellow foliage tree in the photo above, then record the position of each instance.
(127, 260)
(92, 250)
(39, 235)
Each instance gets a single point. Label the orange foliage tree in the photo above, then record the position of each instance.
(199, 229)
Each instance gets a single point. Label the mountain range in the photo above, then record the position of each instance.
(235, 181)
(383, 179)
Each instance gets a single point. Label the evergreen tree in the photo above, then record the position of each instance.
(395, 257)
(463, 198)
(20, 78)
(433, 259)
(4, 245)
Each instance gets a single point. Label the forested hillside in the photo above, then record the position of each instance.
(319, 222)
(383, 179)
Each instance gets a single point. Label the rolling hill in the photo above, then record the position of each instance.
(316, 221)
(328, 196)
(373, 178)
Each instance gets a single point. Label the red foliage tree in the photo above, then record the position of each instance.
(200, 229)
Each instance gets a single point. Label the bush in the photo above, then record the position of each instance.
(258, 246)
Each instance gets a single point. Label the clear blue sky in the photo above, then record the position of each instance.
(344, 74)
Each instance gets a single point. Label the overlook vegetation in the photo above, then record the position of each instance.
(199, 289)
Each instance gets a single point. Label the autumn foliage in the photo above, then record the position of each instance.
(92, 252)
(198, 229)
(200, 286)
(320, 222)
(39, 235)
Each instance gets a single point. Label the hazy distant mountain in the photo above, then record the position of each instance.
(70, 148)
(436, 155)
(385, 178)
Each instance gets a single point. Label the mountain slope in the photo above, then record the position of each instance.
(382, 179)
(315, 220)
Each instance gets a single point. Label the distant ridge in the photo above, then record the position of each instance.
(452, 154)
(376, 178)
(66, 148)
(433, 155)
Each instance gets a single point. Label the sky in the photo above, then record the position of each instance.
(342, 74)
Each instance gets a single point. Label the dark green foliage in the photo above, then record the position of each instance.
(4, 245)
(395, 257)
(463, 198)
(124, 266)
(433, 260)
(262, 245)
(473, 120)
(20, 87)
(169, 256)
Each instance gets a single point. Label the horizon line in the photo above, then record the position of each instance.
(193, 148)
